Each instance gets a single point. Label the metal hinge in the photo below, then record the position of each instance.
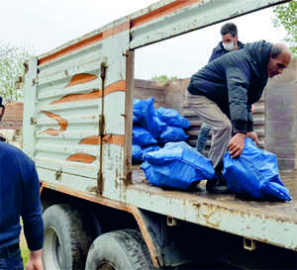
(100, 182)
(101, 125)
(103, 70)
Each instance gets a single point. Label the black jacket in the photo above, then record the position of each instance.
(234, 82)
(219, 50)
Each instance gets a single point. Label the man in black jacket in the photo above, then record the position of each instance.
(227, 87)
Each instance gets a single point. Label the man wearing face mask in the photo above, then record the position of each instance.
(229, 42)
(226, 88)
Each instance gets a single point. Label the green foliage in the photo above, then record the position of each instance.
(25, 254)
(11, 67)
(163, 78)
(286, 16)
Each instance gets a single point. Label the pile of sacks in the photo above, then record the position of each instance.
(153, 128)
(158, 140)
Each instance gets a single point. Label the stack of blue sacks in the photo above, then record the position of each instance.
(177, 165)
(153, 128)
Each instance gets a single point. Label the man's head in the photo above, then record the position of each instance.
(279, 59)
(230, 36)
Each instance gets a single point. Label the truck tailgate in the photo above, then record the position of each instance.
(270, 222)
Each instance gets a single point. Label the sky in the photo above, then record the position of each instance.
(42, 25)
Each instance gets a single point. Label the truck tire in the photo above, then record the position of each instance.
(119, 250)
(67, 237)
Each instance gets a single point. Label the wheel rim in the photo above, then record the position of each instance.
(52, 254)
(106, 265)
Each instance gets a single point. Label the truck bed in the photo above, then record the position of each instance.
(271, 222)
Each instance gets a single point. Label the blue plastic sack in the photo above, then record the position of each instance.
(173, 134)
(172, 117)
(142, 137)
(157, 126)
(151, 148)
(135, 120)
(147, 117)
(177, 165)
(137, 154)
(254, 173)
(144, 111)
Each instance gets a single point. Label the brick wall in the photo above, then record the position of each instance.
(13, 117)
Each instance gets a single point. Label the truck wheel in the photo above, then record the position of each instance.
(119, 250)
(67, 237)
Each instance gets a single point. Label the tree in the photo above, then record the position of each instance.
(286, 16)
(163, 78)
(12, 61)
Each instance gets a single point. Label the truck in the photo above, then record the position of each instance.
(99, 210)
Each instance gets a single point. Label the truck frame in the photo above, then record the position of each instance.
(78, 129)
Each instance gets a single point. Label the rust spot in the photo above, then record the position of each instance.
(93, 140)
(81, 78)
(61, 122)
(162, 11)
(71, 48)
(114, 139)
(118, 86)
(77, 97)
(116, 29)
(107, 139)
(86, 42)
(81, 157)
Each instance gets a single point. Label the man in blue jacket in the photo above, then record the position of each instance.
(19, 197)
(227, 87)
(229, 43)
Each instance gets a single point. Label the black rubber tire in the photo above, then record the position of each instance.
(67, 237)
(119, 250)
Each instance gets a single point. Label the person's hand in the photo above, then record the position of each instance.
(35, 260)
(236, 145)
(253, 135)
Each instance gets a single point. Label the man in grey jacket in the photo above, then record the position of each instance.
(227, 87)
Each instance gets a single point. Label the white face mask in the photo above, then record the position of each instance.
(229, 46)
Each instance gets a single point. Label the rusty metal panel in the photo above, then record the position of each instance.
(66, 117)
(29, 108)
(167, 19)
(270, 222)
(114, 48)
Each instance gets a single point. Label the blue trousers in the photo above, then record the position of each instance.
(11, 259)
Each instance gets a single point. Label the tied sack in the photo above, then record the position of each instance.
(255, 173)
(177, 165)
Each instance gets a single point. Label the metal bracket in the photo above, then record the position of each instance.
(249, 244)
(58, 174)
(33, 121)
(171, 222)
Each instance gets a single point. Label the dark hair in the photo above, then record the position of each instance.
(229, 28)
(275, 51)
